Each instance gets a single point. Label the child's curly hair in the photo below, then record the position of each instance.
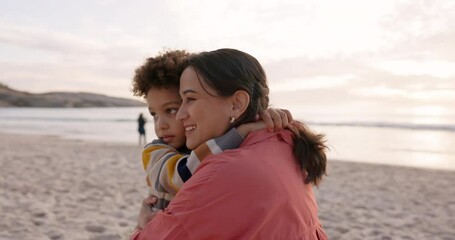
(162, 71)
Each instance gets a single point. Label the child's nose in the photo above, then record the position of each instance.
(161, 123)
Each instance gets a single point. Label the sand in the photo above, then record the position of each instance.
(51, 188)
(366, 201)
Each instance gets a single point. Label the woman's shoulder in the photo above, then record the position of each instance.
(257, 144)
(266, 137)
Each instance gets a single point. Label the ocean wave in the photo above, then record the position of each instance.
(411, 126)
(396, 125)
(65, 119)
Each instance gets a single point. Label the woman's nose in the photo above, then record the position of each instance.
(181, 113)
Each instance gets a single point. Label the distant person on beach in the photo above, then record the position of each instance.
(261, 190)
(166, 160)
(141, 128)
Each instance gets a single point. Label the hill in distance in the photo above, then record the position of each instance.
(13, 98)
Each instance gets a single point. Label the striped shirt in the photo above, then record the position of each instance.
(167, 169)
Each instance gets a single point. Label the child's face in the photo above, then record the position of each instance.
(163, 104)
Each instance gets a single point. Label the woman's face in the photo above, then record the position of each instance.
(204, 116)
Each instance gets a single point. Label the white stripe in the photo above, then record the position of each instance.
(155, 156)
(193, 162)
(176, 179)
(214, 148)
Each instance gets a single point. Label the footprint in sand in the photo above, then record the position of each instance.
(106, 237)
(39, 218)
(55, 234)
(39, 214)
(95, 229)
(123, 224)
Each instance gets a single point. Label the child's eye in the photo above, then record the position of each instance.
(153, 114)
(171, 111)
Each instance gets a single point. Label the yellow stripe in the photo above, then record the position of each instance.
(146, 154)
(171, 163)
(148, 181)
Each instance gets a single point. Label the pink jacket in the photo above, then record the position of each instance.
(253, 192)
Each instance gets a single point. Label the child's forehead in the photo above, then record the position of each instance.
(159, 97)
(171, 87)
(159, 90)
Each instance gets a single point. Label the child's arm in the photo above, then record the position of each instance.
(168, 169)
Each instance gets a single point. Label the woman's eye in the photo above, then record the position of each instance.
(189, 100)
(153, 114)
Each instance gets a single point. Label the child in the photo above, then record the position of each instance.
(166, 160)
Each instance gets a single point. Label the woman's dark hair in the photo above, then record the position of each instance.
(309, 149)
(227, 71)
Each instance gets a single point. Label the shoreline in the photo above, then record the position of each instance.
(53, 188)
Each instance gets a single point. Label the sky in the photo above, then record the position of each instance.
(362, 54)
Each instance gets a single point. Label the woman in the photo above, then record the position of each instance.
(262, 190)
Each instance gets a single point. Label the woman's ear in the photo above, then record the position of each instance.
(240, 102)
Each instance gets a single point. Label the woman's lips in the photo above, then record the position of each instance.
(189, 128)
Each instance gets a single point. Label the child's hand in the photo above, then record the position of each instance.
(272, 119)
(146, 214)
(246, 128)
(277, 119)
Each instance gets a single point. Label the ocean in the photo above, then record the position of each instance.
(407, 140)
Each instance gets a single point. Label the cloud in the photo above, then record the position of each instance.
(441, 69)
(45, 60)
(421, 30)
(271, 30)
(61, 43)
(340, 70)
(345, 81)
(44, 77)
(46, 40)
(344, 51)
(318, 82)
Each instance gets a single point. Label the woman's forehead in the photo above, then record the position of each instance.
(191, 81)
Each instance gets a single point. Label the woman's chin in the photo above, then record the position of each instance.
(190, 145)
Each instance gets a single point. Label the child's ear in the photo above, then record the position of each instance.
(240, 102)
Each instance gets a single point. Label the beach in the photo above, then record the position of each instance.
(54, 188)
